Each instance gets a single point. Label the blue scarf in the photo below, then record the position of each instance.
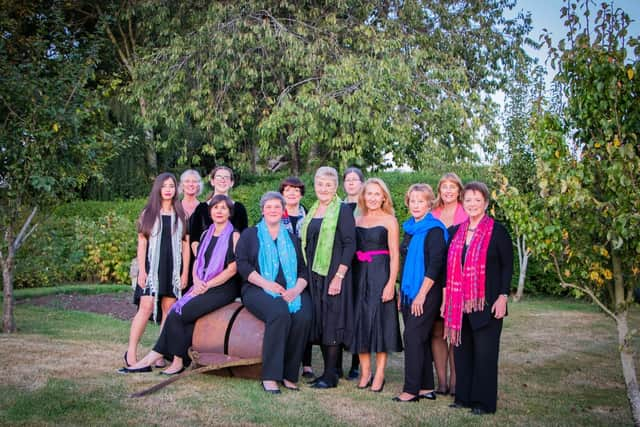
(413, 272)
(273, 255)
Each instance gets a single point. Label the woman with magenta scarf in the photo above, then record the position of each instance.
(479, 270)
(272, 266)
(423, 249)
(214, 286)
(328, 243)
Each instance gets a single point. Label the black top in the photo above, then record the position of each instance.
(200, 220)
(435, 253)
(499, 271)
(230, 255)
(247, 257)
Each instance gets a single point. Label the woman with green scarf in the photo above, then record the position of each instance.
(328, 242)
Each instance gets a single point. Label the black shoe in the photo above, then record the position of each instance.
(126, 363)
(443, 391)
(381, 387)
(322, 384)
(172, 373)
(274, 391)
(458, 405)
(142, 370)
(429, 396)
(413, 399)
(313, 381)
(478, 411)
(308, 374)
(340, 372)
(367, 385)
(354, 374)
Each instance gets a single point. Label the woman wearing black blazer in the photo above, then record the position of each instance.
(479, 271)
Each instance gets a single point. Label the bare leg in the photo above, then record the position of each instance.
(138, 325)
(365, 370)
(440, 354)
(147, 360)
(378, 379)
(165, 305)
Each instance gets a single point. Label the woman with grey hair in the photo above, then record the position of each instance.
(190, 188)
(272, 267)
(328, 243)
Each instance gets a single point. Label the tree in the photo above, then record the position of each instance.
(52, 133)
(588, 164)
(330, 81)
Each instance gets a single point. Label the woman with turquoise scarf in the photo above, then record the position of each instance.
(424, 252)
(272, 266)
(328, 243)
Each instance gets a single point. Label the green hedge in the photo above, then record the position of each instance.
(94, 241)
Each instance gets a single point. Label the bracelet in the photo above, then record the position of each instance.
(340, 275)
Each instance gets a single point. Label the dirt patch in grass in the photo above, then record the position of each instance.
(117, 305)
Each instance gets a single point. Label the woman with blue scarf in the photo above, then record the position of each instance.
(424, 252)
(271, 264)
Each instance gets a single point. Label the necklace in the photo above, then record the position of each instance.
(472, 230)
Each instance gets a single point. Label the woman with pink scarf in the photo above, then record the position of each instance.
(479, 271)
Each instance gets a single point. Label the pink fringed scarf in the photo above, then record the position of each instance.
(466, 283)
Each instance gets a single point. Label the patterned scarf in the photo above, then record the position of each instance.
(322, 257)
(272, 255)
(287, 222)
(466, 283)
(413, 271)
(153, 256)
(216, 261)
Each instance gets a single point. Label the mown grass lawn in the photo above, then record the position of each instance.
(558, 366)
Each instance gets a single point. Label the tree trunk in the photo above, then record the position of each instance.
(523, 260)
(150, 154)
(8, 320)
(628, 366)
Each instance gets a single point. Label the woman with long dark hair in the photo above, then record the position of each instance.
(163, 257)
(214, 286)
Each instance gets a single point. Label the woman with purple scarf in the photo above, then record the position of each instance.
(214, 286)
(479, 270)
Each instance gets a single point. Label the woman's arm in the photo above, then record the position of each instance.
(346, 232)
(141, 256)
(393, 242)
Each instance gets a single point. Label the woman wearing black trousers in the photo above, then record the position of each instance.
(275, 280)
(479, 270)
(214, 286)
(423, 249)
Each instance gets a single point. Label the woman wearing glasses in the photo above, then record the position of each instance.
(221, 181)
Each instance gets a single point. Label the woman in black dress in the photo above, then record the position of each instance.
(222, 181)
(423, 249)
(328, 240)
(479, 271)
(162, 255)
(271, 263)
(376, 328)
(214, 286)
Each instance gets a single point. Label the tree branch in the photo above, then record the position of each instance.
(23, 234)
(293, 86)
(581, 289)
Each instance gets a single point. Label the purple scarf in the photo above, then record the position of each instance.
(216, 262)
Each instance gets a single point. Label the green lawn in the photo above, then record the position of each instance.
(558, 366)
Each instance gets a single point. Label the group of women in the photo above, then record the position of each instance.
(327, 276)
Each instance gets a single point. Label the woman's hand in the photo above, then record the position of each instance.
(388, 292)
(335, 286)
(184, 280)
(142, 279)
(291, 294)
(443, 308)
(199, 287)
(274, 287)
(417, 306)
(499, 308)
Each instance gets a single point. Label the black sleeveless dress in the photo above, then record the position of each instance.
(377, 328)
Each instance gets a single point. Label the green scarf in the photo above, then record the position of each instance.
(322, 257)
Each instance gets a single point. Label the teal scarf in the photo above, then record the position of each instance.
(272, 255)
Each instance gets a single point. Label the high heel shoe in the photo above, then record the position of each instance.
(366, 385)
(381, 387)
(126, 362)
(413, 399)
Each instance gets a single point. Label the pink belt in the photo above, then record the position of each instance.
(368, 255)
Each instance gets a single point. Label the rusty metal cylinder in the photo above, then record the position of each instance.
(232, 331)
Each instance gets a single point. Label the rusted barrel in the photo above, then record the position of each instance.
(230, 331)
